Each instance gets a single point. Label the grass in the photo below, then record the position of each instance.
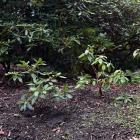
(128, 115)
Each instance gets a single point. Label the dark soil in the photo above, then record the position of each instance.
(85, 117)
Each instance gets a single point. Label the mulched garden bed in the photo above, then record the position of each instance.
(85, 117)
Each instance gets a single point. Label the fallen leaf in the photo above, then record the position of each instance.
(9, 134)
(2, 132)
(57, 130)
(16, 115)
(135, 138)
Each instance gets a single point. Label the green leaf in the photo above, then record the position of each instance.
(103, 67)
(20, 80)
(36, 93)
(100, 61)
(29, 106)
(69, 96)
(32, 89)
(94, 82)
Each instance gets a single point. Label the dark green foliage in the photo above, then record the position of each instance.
(70, 26)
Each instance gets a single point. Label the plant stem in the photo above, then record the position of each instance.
(100, 90)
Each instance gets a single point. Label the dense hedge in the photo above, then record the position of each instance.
(59, 31)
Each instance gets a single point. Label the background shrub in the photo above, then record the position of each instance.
(59, 31)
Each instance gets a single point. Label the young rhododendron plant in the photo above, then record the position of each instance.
(42, 88)
(43, 84)
(102, 76)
